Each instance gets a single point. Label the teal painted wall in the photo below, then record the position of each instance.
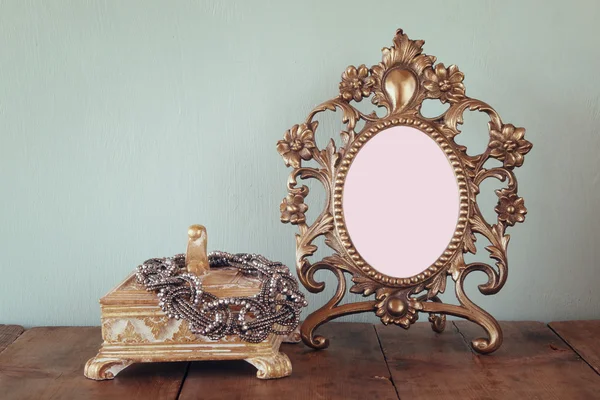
(121, 123)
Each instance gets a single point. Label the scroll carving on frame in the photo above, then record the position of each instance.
(400, 83)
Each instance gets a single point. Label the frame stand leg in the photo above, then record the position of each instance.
(438, 321)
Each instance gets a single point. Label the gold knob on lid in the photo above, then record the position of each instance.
(196, 258)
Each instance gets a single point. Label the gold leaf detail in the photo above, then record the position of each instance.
(304, 248)
(499, 245)
(469, 241)
(157, 325)
(457, 266)
(183, 334)
(364, 285)
(437, 285)
(129, 335)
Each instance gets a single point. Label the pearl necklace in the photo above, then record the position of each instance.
(276, 308)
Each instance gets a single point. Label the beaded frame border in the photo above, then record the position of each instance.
(338, 212)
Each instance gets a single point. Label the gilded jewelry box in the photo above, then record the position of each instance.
(135, 329)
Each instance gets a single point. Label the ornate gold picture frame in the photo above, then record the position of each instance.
(400, 83)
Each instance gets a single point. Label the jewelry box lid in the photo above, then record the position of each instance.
(222, 282)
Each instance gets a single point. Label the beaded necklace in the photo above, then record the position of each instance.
(275, 309)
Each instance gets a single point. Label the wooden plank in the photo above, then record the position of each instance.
(533, 363)
(8, 334)
(582, 336)
(351, 368)
(47, 363)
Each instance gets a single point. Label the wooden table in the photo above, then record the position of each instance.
(537, 361)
